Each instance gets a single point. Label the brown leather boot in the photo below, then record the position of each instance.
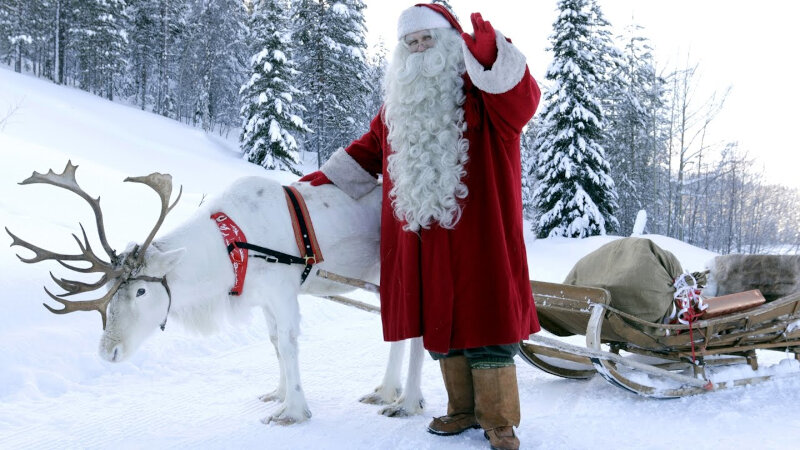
(497, 405)
(460, 416)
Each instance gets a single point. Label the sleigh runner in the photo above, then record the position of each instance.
(654, 359)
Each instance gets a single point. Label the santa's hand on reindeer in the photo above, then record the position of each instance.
(316, 178)
(481, 43)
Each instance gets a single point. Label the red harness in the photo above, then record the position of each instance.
(231, 233)
(237, 245)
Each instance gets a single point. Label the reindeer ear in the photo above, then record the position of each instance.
(164, 262)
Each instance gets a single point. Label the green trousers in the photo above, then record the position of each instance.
(488, 357)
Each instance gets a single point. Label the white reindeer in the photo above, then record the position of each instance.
(186, 276)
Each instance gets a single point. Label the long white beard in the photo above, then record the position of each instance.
(423, 111)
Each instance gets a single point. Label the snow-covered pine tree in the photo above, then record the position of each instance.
(105, 39)
(41, 31)
(172, 30)
(333, 65)
(309, 27)
(32, 36)
(6, 12)
(81, 56)
(376, 70)
(575, 193)
(15, 26)
(633, 143)
(269, 100)
(212, 64)
(143, 41)
(59, 26)
(528, 160)
(56, 20)
(154, 32)
(348, 30)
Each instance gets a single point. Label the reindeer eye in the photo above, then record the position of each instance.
(140, 292)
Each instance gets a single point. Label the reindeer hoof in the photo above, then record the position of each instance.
(373, 399)
(279, 420)
(400, 409)
(380, 396)
(394, 411)
(282, 418)
(271, 397)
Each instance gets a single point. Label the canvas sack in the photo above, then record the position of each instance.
(638, 274)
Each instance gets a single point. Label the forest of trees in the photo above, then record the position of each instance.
(615, 134)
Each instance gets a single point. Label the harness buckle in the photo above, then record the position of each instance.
(310, 260)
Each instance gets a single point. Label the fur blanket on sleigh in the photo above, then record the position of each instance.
(774, 275)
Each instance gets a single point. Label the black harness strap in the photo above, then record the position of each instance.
(275, 256)
(270, 255)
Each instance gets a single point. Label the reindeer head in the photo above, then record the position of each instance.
(136, 274)
(140, 304)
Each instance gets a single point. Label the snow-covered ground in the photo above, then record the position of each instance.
(185, 391)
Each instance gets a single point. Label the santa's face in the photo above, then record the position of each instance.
(419, 41)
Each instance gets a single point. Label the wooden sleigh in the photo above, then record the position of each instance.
(649, 359)
(653, 359)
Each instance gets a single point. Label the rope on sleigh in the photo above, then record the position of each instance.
(689, 303)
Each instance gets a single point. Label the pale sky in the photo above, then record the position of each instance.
(745, 45)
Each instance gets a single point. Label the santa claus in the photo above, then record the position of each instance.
(453, 263)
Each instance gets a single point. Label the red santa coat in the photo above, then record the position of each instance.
(468, 286)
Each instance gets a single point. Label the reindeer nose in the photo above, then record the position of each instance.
(112, 354)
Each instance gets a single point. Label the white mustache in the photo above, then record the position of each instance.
(426, 64)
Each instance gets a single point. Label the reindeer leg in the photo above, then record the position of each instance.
(278, 394)
(294, 408)
(411, 402)
(389, 390)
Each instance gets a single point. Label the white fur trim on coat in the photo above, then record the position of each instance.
(348, 175)
(418, 18)
(507, 71)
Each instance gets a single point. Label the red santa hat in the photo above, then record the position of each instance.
(424, 16)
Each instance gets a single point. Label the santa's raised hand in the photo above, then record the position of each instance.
(481, 43)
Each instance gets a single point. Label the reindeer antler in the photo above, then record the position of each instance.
(162, 184)
(66, 180)
(100, 304)
(74, 287)
(116, 269)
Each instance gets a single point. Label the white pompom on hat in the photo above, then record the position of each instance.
(424, 17)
